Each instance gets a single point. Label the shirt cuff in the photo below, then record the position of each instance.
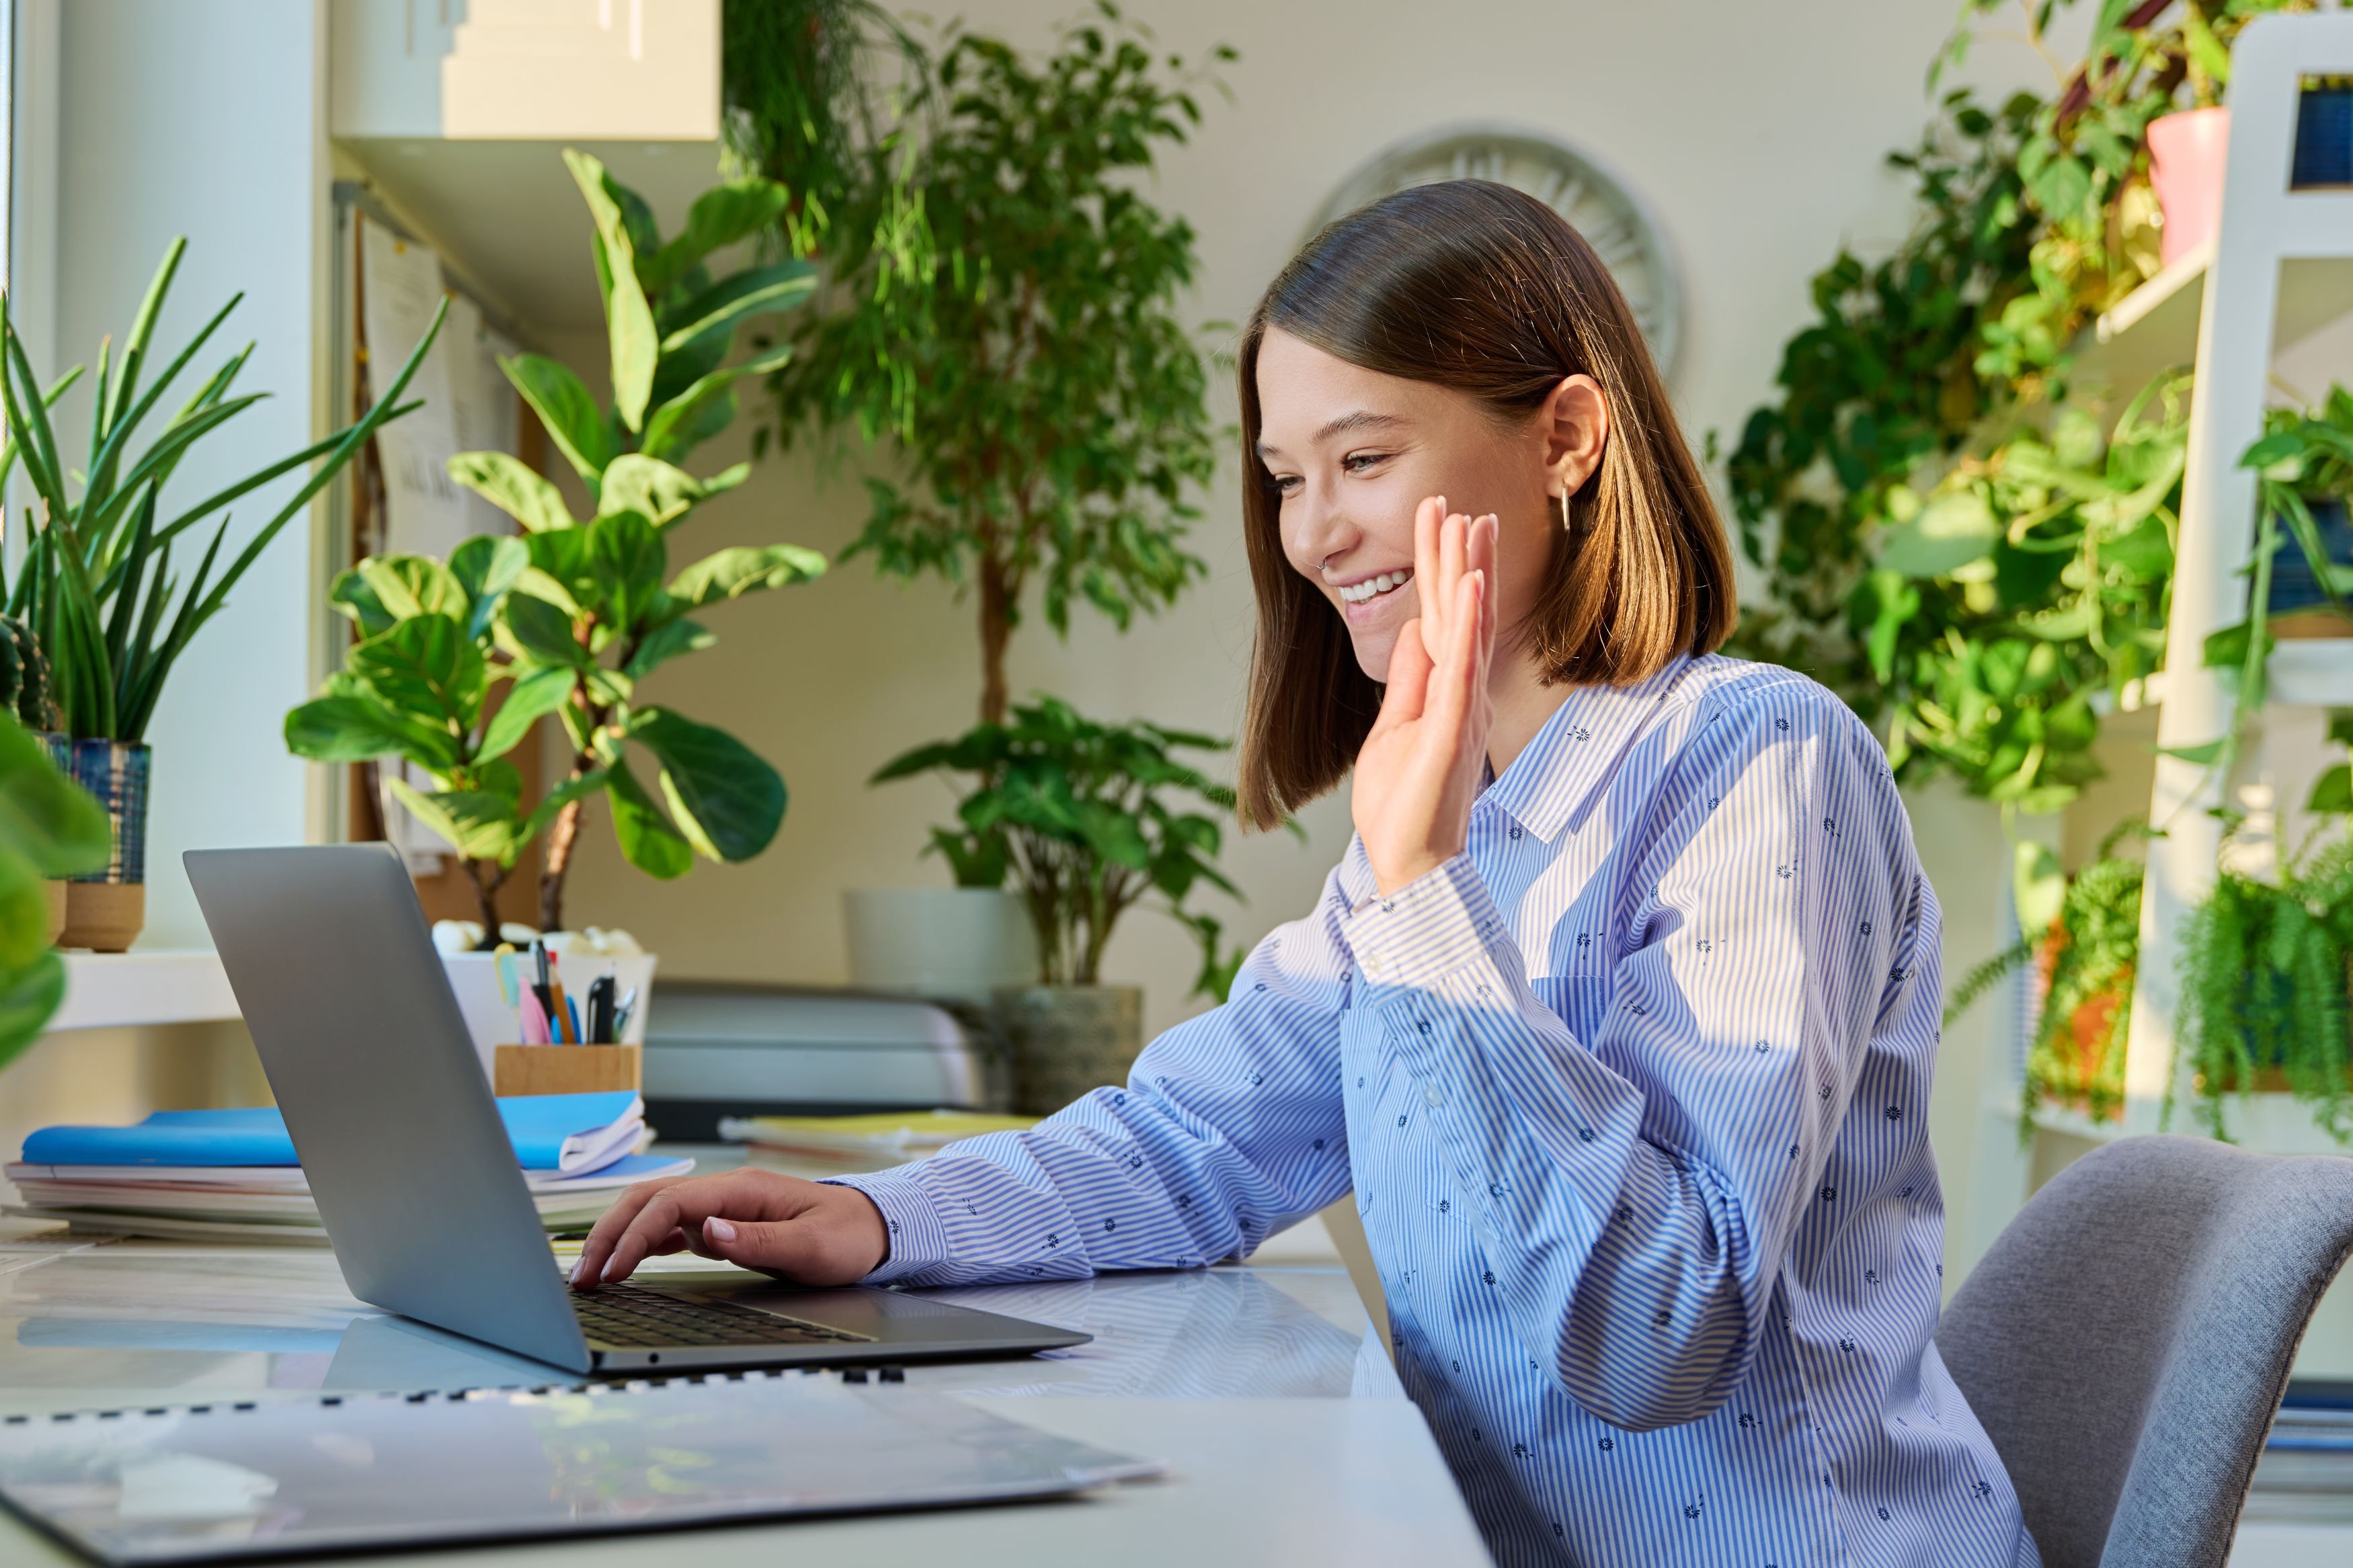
(1427, 928)
(918, 1239)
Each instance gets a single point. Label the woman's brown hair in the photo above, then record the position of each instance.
(1477, 287)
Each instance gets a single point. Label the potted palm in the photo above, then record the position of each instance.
(97, 583)
(456, 662)
(1001, 306)
(1088, 820)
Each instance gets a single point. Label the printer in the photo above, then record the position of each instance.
(717, 1048)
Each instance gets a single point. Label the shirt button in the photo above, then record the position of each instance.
(1515, 834)
(1430, 1096)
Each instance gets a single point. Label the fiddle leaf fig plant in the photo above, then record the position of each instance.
(1087, 819)
(572, 615)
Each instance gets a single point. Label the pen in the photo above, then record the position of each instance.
(535, 1018)
(572, 1011)
(559, 1008)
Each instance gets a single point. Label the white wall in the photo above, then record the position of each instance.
(1758, 138)
(204, 120)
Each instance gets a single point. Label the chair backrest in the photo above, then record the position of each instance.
(2126, 1340)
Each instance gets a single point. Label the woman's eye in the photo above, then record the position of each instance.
(1286, 484)
(1362, 462)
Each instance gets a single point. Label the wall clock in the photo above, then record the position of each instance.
(1612, 219)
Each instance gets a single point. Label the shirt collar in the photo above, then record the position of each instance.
(1548, 785)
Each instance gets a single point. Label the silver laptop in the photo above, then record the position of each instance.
(418, 1184)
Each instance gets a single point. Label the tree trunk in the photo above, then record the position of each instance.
(488, 877)
(996, 632)
(561, 836)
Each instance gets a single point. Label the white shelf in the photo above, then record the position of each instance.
(116, 990)
(2155, 328)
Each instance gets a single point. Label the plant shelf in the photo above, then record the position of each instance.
(120, 990)
(2155, 327)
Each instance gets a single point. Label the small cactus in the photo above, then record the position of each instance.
(24, 676)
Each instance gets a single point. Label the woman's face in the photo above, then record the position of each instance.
(1353, 453)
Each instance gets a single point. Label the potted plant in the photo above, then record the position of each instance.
(2084, 957)
(97, 584)
(1001, 306)
(48, 828)
(1087, 819)
(455, 663)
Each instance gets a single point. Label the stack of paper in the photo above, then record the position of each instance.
(231, 1175)
(887, 1135)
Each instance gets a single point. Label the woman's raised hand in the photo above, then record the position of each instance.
(1422, 766)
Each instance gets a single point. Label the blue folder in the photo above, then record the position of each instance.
(537, 1125)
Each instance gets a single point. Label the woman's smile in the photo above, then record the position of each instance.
(1370, 598)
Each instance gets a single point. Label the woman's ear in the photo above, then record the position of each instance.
(1575, 425)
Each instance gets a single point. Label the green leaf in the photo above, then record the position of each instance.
(629, 319)
(476, 823)
(2332, 792)
(674, 427)
(571, 416)
(748, 295)
(426, 666)
(347, 727)
(637, 483)
(406, 585)
(666, 643)
(543, 631)
(627, 560)
(353, 597)
(721, 216)
(726, 801)
(2204, 755)
(514, 487)
(48, 821)
(533, 697)
(487, 566)
(647, 839)
(740, 568)
(561, 795)
(29, 997)
(1953, 529)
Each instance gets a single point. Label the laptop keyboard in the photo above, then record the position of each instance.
(630, 1315)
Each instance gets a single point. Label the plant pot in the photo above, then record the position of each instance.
(1068, 1039)
(492, 1021)
(53, 892)
(106, 910)
(2323, 138)
(2186, 155)
(960, 944)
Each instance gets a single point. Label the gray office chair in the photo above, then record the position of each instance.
(2127, 1341)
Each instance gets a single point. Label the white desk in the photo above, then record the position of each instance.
(1289, 1439)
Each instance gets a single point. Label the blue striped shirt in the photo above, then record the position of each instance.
(1633, 1096)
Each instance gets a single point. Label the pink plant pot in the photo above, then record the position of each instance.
(2186, 154)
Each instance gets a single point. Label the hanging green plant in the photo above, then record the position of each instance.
(2076, 1058)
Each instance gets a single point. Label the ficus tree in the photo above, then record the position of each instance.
(575, 612)
(1008, 320)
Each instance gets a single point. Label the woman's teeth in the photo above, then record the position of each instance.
(1373, 587)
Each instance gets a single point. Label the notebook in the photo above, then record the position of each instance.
(226, 1481)
(567, 1132)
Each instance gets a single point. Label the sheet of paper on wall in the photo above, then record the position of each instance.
(483, 416)
(400, 286)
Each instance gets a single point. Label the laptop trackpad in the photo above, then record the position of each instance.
(865, 1310)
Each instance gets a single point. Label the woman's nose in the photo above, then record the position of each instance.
(1321, 528)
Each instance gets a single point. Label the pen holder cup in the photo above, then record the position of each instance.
(567, 1070)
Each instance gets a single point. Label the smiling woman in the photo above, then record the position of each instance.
(1620, 1015)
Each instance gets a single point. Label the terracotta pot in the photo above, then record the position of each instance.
(54, 891)
(2187, 153)
(1068, 1039)
(104, 917)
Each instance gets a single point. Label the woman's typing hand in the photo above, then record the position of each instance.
(1421, 767)
(807, 1232)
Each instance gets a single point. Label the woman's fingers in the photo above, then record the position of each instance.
(1408, 682)
(1428, 523)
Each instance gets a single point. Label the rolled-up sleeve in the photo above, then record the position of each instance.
(1635, 1193)
(1230, 1127)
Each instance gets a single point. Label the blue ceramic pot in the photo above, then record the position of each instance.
(117, 775)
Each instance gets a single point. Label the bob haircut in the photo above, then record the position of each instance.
(1475, 286)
